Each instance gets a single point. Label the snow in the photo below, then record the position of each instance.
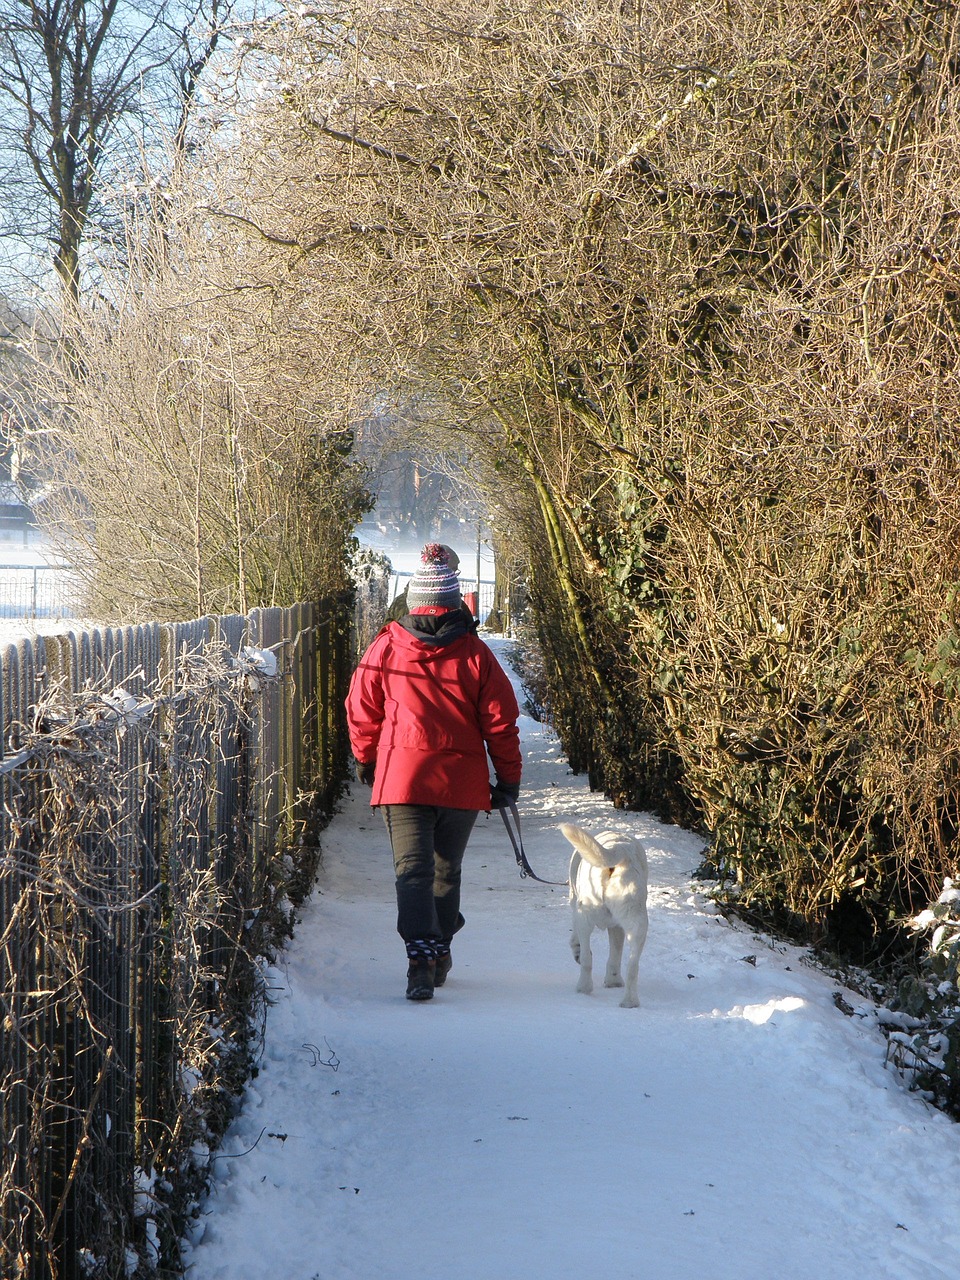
(736, 1126)
(14, 629)
(261, 661)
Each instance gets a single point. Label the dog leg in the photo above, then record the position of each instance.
(572, 881)
(585, 985)
(612, 977)
(635, 939)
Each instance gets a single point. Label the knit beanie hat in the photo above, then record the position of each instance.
(453, 560)
(434, 588)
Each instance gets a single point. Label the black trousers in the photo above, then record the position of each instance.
(428, 843)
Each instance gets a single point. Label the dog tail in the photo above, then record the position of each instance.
(589, 848)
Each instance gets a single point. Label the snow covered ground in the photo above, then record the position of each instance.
(737, 1126)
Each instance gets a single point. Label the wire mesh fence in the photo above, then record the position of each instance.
(154, 783)
(479, 595)
(38, 591)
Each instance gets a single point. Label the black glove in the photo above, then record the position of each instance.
(365, 772)
(502, 793)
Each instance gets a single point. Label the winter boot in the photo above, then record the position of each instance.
(421, 969)
(444, 963)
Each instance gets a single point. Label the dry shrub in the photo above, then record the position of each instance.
(196, 432)
(691, 270)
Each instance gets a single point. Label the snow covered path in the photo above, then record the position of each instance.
(736, 1126)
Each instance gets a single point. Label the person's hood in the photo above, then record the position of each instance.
(434, 630)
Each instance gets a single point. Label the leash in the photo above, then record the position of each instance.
(517, 841)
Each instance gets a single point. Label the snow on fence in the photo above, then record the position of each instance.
(159, 790)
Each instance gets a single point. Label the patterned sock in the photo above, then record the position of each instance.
(421, 949)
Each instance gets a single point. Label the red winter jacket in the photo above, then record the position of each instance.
(428, 714)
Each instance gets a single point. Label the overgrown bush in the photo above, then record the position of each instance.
(686, 274)
(923, 1019)
(370, 572)
(526, 658)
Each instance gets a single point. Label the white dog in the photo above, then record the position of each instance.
(608, 890)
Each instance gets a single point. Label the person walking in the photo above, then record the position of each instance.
(427, 705)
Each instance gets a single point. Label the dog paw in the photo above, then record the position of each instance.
(613, 982)
(629, 1002)
(585, 988)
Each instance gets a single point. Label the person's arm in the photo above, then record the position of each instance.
(499, 713)
(364, 705)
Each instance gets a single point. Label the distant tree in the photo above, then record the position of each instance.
(16, 407)
(421, 487)
(82, 83)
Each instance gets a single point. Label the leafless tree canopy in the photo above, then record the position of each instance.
(694, 266)
(676, 281)
(88, 91)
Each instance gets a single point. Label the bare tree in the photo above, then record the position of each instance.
(697, 265)
(85, 88)
(203, 461)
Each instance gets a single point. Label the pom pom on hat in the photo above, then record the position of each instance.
(434, 588)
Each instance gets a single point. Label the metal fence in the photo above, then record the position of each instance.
(38, 591)
(151, 778)
(479, 595)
